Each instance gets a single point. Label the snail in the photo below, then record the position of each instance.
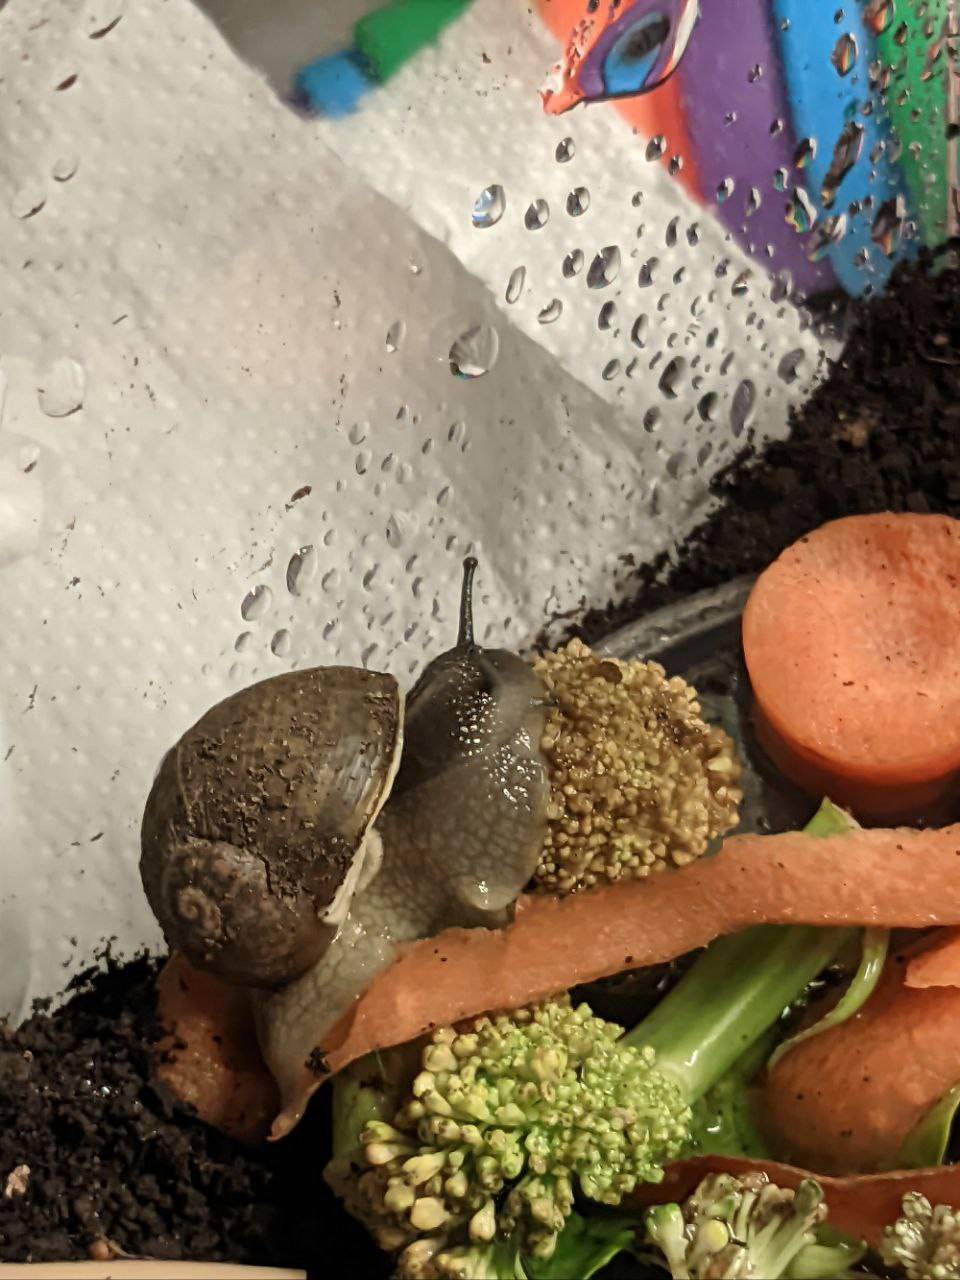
(270, 813)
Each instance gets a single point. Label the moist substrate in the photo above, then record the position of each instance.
(93, 1155)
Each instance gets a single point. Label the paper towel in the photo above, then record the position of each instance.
(252, 476)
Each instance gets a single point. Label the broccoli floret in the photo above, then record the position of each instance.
(736, 1228)
(924, 1242)
(506, 1122)
(638, 780)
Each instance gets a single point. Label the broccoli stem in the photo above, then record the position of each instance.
(738, 989)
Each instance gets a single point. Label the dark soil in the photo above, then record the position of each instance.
(882, 433)
(114, 1163)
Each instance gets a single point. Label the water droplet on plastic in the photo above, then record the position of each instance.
(878, 14)
(605, 268)
(754, 74)
(551, 312)
(611, 370)
(780, 179)
(776, 126)
(301, 569)
(573, 263)
(742, 407)
(281, 644)
(515, 284)
(578, 202)
(607, 316)
(741, 283)
(475, 352)
(537, 215)
(801, 215)
(62, 388)
(724, 190)
(395, 335)
(788, 370)
(489, 207)
(256, 603)
(675, 165)
(782, 285)
(671, 377)
(804, 152)
(844, 53)
(638, 334)
(27, 202)
(845, 156)
(888, 224)
(566, 150)
(656, 147)
(64, 168)
(753, 202)
(829, 232)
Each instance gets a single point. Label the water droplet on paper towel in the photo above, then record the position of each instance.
(27, 201)
(537, 215)
(301, 569)
(605, 268)
(578, 202)
(742, 407)
(489, 207)
(64, 168)
(573, 263)
(566, 150)
(281, 644)
(789, 367)
(395, 335)
(256, 603)
(475, 352)
(551, 312)
(515, 284)
(62, 387)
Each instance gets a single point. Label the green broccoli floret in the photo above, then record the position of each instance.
(737, 1228)
(924, 1242)
(507, 1121)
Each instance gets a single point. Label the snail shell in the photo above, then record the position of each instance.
(258, 821)
(470, 798)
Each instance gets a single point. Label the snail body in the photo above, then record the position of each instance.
(260, 824)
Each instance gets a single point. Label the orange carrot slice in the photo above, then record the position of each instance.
(852, 642)
(859, 1207)
(845, 1101)
(883, 877)
(210, 1058)
(938, 964)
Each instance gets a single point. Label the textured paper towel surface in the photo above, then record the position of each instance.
(214, 465)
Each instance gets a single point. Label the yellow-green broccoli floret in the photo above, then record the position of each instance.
(741, 1228)
(924, 1242)
(638, 780)
(504, 1124)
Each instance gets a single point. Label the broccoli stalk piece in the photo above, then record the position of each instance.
(476, 1171)
(737, 1228)
(924, 1242)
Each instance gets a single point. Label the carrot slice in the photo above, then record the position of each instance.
(845, 1101)
(938, 964)
(210, 1058)
(859, 1207)
(852, 642)
(882, 877)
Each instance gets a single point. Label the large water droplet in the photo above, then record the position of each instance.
(515, 284)
(607, 316)
(605, 268)
(578, 202)
(724, 190)
(845, 156)
(566, 150)
(573, 263)
(282, 643)
(708, 407)
(829, 232)
(475, 352)
(878, 14)
(804, 152)
(256, 603)
(844, 53)
(672, 377)
(551, 312)
(62, 388)
(656, 147)
(648, 273)
(489, 206)
(800, 214)
(742, 407)
(611, 370)
(638, 334)
(537, 215)
(301, 569)
(888, 224)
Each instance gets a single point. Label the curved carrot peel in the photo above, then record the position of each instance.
(888, 878)
(852, 642)
(938, 964)
(858, 1206)
(209, 1057)
(846, 1101)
